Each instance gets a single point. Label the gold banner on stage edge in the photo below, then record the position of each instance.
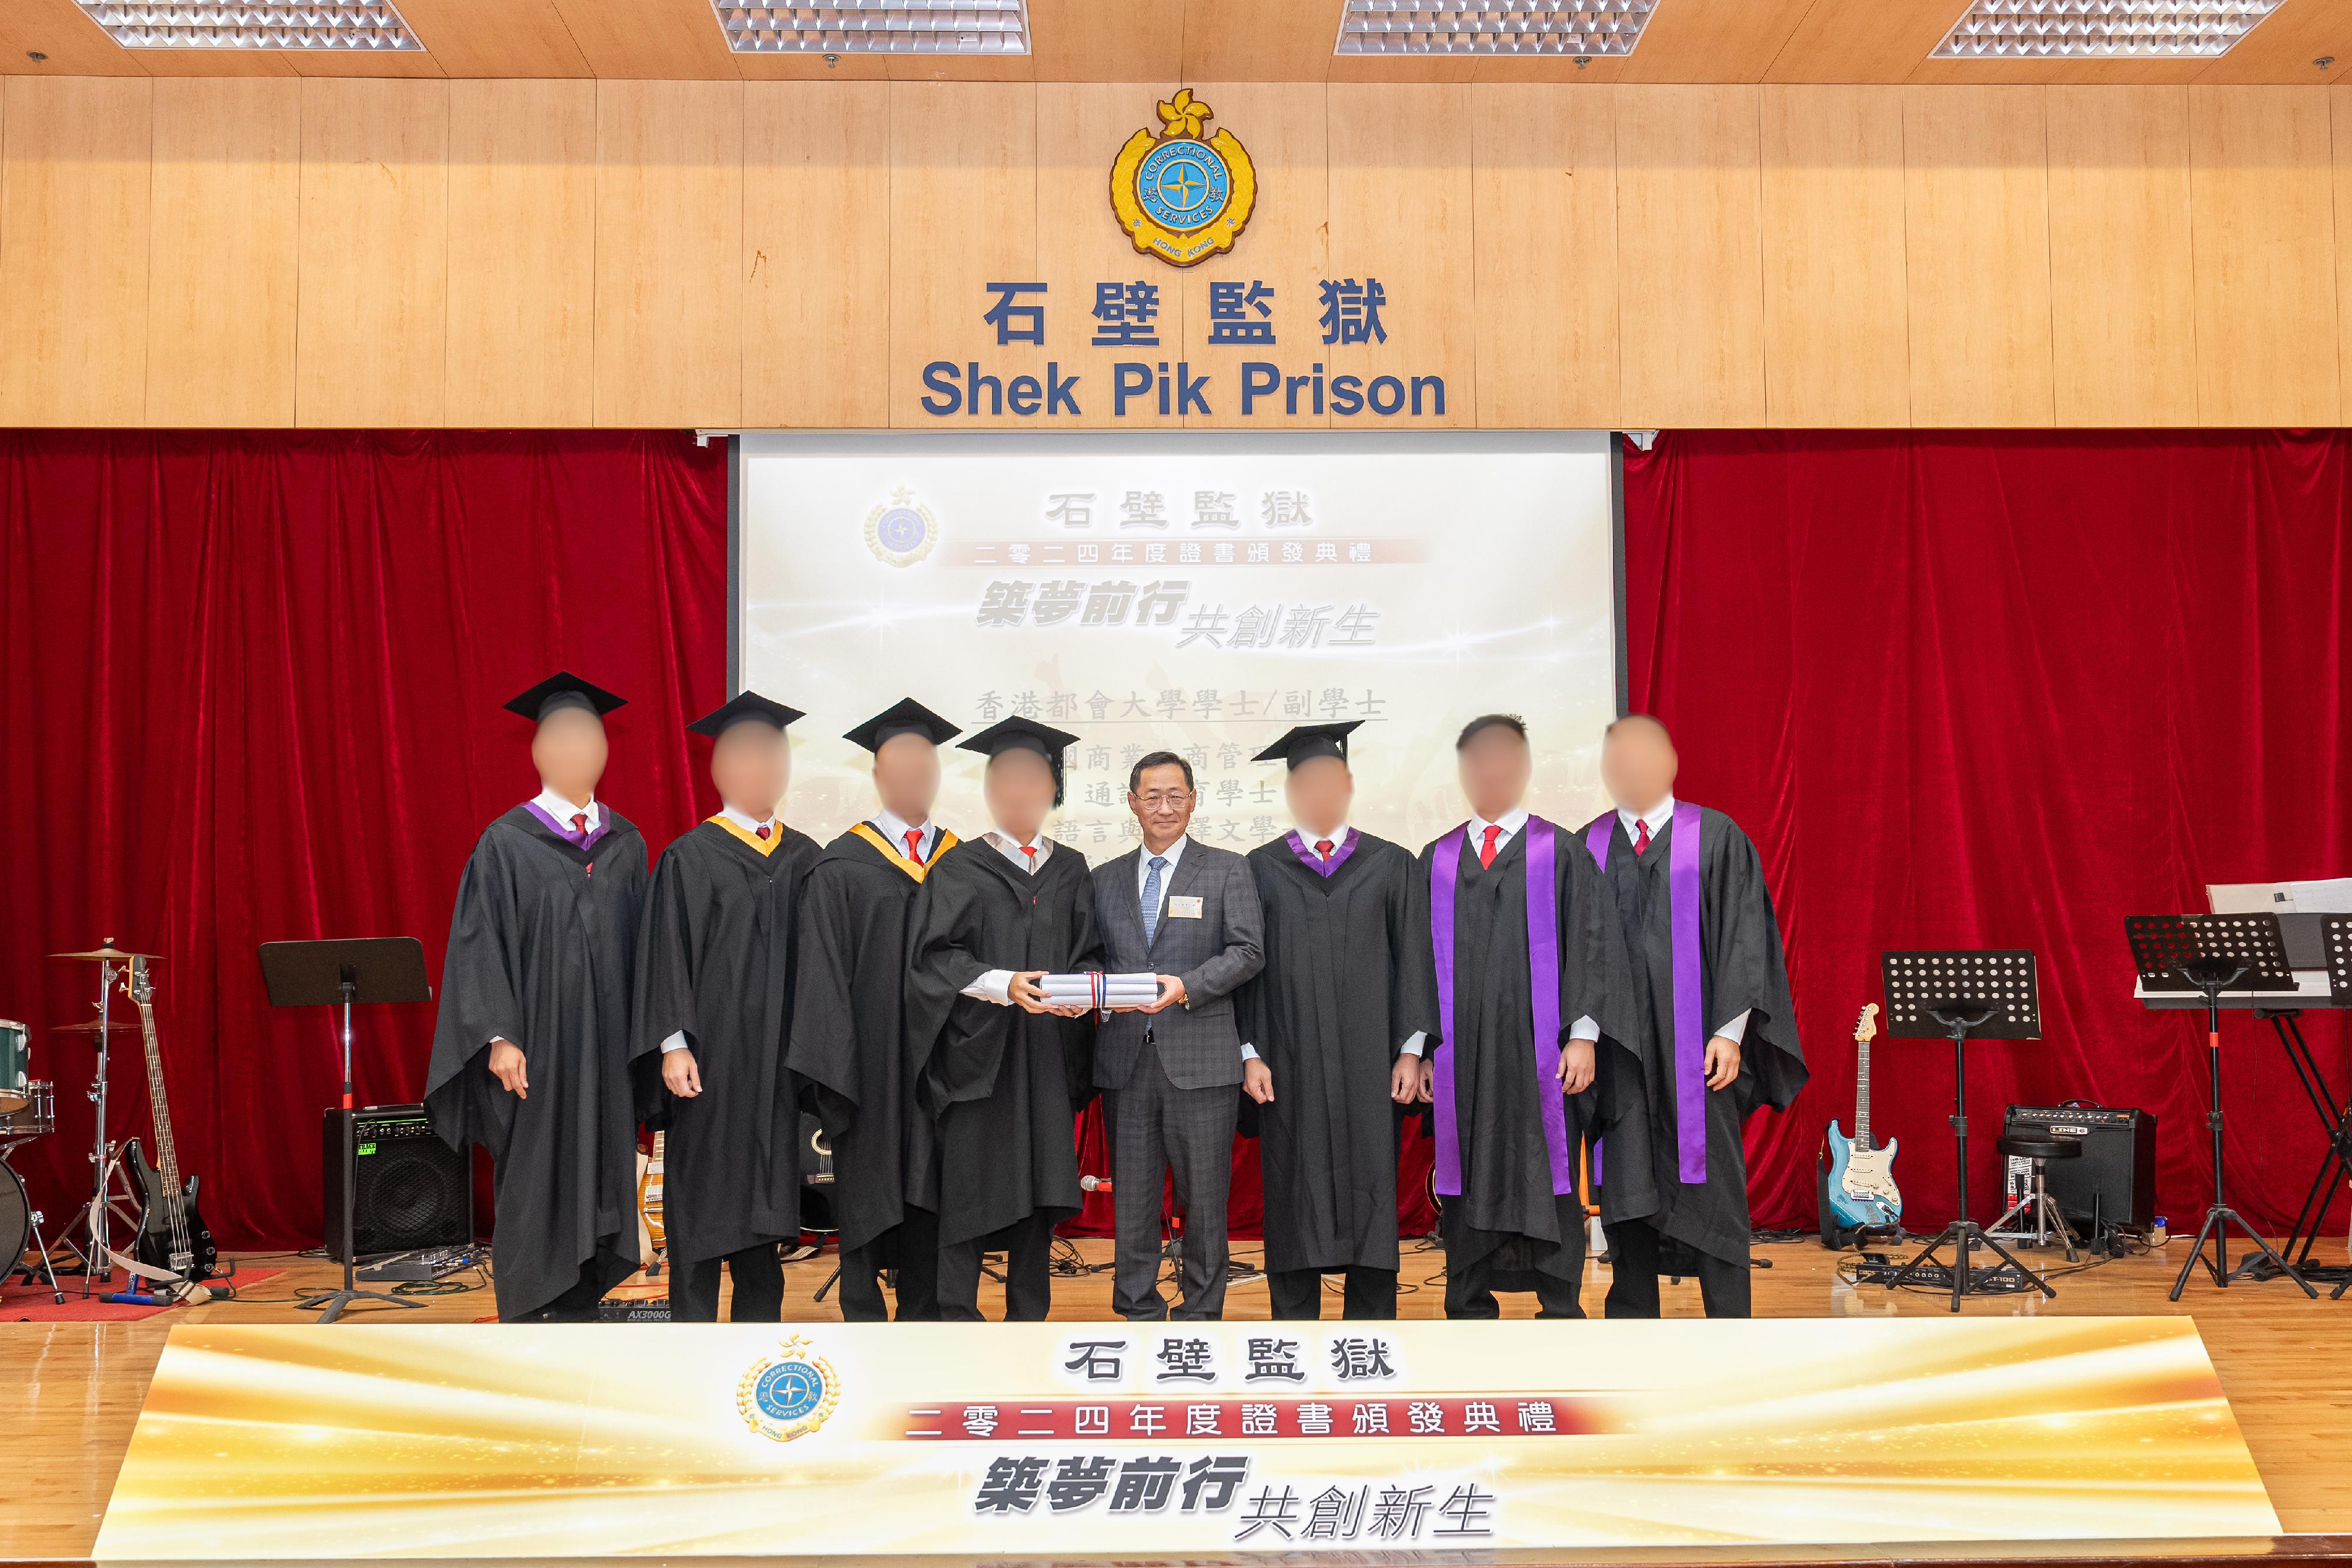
(1154, 1441)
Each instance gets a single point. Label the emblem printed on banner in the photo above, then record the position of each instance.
(1179, 196)
(901, 531)
(788, 1395)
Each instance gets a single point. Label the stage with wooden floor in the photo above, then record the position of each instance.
(2284, 1365)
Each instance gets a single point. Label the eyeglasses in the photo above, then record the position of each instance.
(1161, 800)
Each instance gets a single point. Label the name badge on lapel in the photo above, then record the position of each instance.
(1184, 908)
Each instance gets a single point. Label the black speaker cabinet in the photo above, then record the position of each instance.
(2115, 1180)
(414, 1190)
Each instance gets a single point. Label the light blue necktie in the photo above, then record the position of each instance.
(1151, 898)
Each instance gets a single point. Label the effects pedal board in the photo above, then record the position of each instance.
(419, 1268)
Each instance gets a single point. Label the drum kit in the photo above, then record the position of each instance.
(28, 1110)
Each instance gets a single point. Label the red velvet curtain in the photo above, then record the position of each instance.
(251, 692)
(2004, 690)
(1991, 689)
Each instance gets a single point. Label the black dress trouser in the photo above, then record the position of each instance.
(1297, 1293)
(759, 1287)
(1723, 1286)
(912, 1248)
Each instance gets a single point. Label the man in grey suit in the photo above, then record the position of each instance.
(1170, 1073)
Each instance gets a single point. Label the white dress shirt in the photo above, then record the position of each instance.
(895, 829)
(1659, 817)
(551, 801)
(555, 805)
(1586, 1027)
(749, 824)
(1418, 1040)
(996, 985)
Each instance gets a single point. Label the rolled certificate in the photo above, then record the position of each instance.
(1100, 990)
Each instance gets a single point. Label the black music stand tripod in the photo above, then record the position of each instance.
(1953, 995)
(2216, 953)
(342, 973)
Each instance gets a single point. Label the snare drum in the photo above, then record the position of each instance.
(16, 1066)
(38, 1118)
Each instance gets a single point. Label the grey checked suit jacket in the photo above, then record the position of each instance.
(1199, 1042)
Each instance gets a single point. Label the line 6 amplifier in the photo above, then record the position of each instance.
(414, 1190)
(2116, 1178)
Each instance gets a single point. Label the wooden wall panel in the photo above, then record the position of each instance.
(1836, 327)
(1976, 252)
(1690, 269)
(74, 173)
(2123, 314)
(372, 312)
(1079, 125)
(2339, 104)
(1544, 186)
(816, 242)
(1400, 213)
(567, 252)
(963, 214)
(669, 253)
(2261, 201)
(223, 244)
(522, 253)
(1287, 247)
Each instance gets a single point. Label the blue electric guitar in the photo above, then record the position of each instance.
(1862, 1188)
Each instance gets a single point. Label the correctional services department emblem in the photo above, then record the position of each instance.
(901, 532)
(788, 1395)
(1179, 196)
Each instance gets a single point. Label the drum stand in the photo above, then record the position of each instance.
(40, 1248)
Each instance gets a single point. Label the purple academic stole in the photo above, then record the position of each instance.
(1683, 900)
(1338, 856)
(1543, 979)
(564, 830)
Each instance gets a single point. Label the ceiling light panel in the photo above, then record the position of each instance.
(1525, 27)
(877, 27)
(2100, 29)
(372, 28)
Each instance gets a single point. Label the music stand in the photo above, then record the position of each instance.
(2215, 953)
(339, 973)
(1954, 994)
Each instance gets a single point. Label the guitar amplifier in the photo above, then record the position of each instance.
(414, 1190)
(2114, 1180)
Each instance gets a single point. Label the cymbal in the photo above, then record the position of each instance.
(123, 1025)
(108, 955)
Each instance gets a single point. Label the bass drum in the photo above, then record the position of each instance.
(16, 1222)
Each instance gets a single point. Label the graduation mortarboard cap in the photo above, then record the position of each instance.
(1018, 734)
(908, 717)
(744, 707)
(563, 690)
(1309, 741)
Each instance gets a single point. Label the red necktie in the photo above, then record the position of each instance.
(1323, 848)
(579, 824)
(915, 845)
(1486, 850)
(761, 830)
(1031, 850)
(1641, 838)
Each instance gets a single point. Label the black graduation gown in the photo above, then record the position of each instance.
(1001, 1084)
(1348, 977)
(715, 960)
(1742, 969)
(849, 1036)
(1506, 1196)
(541, 953)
